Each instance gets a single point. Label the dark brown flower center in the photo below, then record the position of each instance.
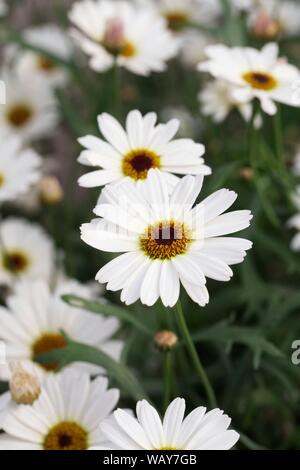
(165, 240)
(66, 435)
(176, 20)
(45, 64)
(15, 261)
(260, 80)
(19, 114)
(137, 163)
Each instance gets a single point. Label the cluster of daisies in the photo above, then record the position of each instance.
(148, 212)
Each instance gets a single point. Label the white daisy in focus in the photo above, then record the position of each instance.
(34, 319)
(66, 416)
(30, 110)
(217, 100)
(52, 40)
(26, 252)
(122, 33)
(254, 74)
(275, 18)
(132, 152)
(198, 431)
(294, 222)
(164, 240)
(19, 168)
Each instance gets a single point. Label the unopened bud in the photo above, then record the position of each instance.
(265, 26)
(51, 191)
(165, 340)
(247, 173)
(24, 387)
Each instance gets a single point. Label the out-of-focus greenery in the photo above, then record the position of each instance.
(244, 335)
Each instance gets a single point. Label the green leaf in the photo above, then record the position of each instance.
(74, 352)
(107, 310)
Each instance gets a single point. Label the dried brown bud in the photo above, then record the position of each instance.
(51, 191)
(165, 340)
(24, 387)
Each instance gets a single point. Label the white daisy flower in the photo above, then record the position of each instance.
(294, 222)
(66, 416)
(132, 152)
(52, 40)
(34, 318)
(165, 241)
(217, 100)
(273, 18)
(242, 5)
(19, 168)
(26, 252)
(198, 431)
(30, 110)
(133, 37)
(255, 74)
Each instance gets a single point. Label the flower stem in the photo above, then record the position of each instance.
(116, 90)
(167, 379)
(194, 356)
(278, 137)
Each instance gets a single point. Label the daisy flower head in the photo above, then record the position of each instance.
(275, 18)
(131, 152)
(33, 321)
(53, 41)
(26, 252)
(30, 110)
(199, 430)
(66, 415)
(19, 168)
(164, 240)
(294, 222)
(123, 33)
(217, 100)
(254, 73)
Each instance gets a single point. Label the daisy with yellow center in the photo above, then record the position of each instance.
(30, 111)
(45, 316)
(164, 240)
(26, 252)
(143, 145)
(198, 431)
(67, 415)
(253, 74)
(119, 32)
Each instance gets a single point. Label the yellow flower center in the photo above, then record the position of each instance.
(176, 19)
(66, 435)
(19, 115)
(45, 64)
(47, 343)
(16, 261)
(2, 180)
(260, 80)
(167, 448)
(165, 240)
(137, 163)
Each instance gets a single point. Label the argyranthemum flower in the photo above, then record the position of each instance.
(30, 110)
(254, 74)
(123, 33)
(52, 40)
(66, 416)
(34, 319)
(164, 240)
(198, 431)
(217, 100)
(134, 151)
(19, 168)
(26, 251)
(275, 18)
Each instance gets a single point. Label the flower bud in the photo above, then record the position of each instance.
(24, 387)
(51, 191)
(165, 340)
(246, 173)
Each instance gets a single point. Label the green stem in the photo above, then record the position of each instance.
(194, 355)
(116, 90)
(278, 137)
(167, 379)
